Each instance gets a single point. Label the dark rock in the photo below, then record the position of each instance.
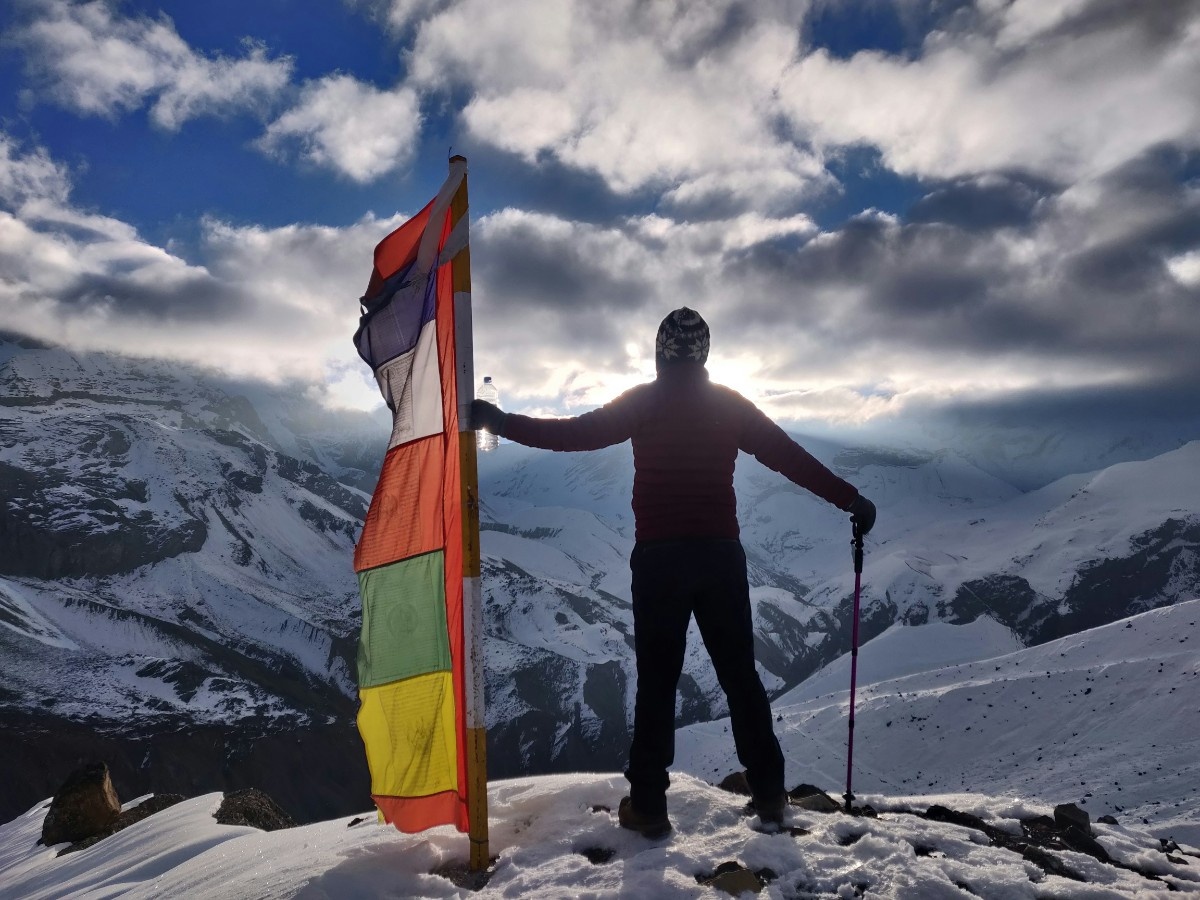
(954, 817)
(85, 805)
(462, 876)
(1068, 814)
(143, 810)
(1107, 820)
(253, 808)
(1039, 825)
(736, 783)
(598, 856)
(732, 878)
(1082, 842)
(1050, 864)
(807, 796)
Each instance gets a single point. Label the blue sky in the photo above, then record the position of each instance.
(892, 213)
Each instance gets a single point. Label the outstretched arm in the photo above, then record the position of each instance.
(771, 446)
(610, 424)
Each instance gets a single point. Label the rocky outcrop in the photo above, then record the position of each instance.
(1162, 568)
(84, 805)
(315, 772)
(145, 809)
(1041, 842)
(86, 809)
(38, 538)
(252, 808)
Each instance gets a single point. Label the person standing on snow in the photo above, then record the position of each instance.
(688, 559)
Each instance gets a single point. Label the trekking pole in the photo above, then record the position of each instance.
(856, 544)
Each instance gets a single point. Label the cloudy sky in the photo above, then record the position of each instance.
(888, 210)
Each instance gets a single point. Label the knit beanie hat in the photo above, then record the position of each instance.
(682, 337)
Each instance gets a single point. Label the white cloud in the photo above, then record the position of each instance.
(1070, 107)
(89, 59)
(717, 102)
(349, 126)
(29, 175)
(676, 97)
(1185, 268)
(268, 303)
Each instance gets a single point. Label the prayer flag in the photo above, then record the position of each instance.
(415, 673)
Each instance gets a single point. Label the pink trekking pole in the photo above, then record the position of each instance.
(857, 544)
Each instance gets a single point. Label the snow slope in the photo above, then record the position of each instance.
(1109, 719)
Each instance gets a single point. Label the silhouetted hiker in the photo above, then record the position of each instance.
(688, 560)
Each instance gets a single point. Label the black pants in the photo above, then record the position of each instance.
(672, 581)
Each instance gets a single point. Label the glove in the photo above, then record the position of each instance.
(862, 514)
(487, 417)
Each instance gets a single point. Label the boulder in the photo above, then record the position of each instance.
(1068, 814)
(807, 796)
(86, 804)
(937, 813)
(733, 878)
(253, 808)
(1082, 842)
(736, 783)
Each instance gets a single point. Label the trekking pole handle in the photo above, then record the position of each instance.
(856, 544)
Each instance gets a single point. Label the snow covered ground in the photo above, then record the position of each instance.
(546, 832)
(1115, 707)
(1108, 718)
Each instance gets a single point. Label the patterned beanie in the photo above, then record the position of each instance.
(682, 337)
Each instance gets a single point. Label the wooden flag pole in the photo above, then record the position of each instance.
(472, 593)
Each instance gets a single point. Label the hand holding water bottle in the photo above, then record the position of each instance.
(486, 417)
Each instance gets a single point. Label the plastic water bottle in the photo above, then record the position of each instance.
(485, 440)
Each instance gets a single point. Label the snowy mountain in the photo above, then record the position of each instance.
(174, 578)
(953, 543)
(996, 785)
(176, 592)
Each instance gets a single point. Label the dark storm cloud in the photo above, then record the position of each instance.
(983, 204)
(843, 257)
(1079, 283)
(1159, 23)
(541, 273)
(1132, 264)
(198, 298)
(1155, 174)
(930, 291)
(553, 188)
(1122, 268)
(1165, 402)
(1029, 438)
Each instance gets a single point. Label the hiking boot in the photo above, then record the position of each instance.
(770, 811)
(651, 826)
